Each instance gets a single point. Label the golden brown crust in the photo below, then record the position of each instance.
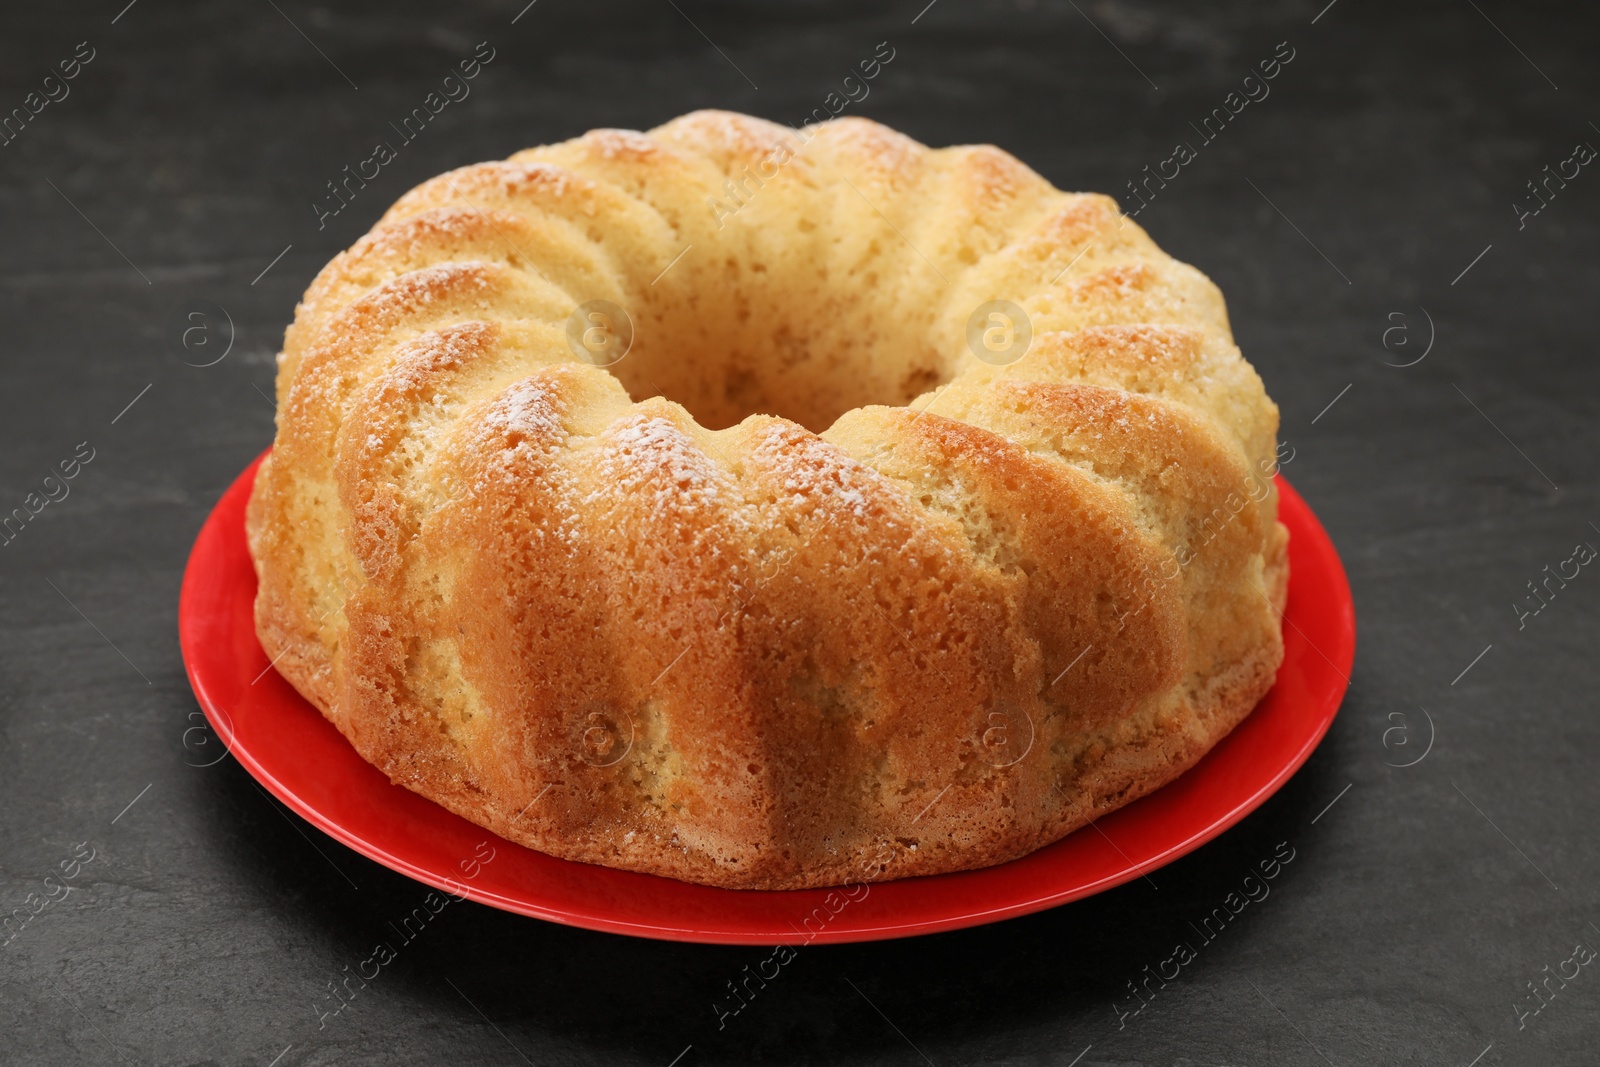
(967, 610)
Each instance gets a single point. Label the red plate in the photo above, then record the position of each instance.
(298, 755)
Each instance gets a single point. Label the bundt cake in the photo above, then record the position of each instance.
(769, 508)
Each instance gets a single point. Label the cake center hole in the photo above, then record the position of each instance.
(728, 346)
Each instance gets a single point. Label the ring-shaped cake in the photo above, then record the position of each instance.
(942, 523)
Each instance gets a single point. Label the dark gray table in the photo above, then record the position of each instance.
(1373, 192)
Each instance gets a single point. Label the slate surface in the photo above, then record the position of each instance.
(1373, 189)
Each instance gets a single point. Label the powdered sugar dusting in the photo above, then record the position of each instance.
(530, 418)
(411, 292)
(381, 309)
(528, 409)
(616, 144)
(816, 475)
(726, 138)
(876, 150)
(515, 176)
(649, 456)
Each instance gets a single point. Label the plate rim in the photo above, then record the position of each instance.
(213, 538)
